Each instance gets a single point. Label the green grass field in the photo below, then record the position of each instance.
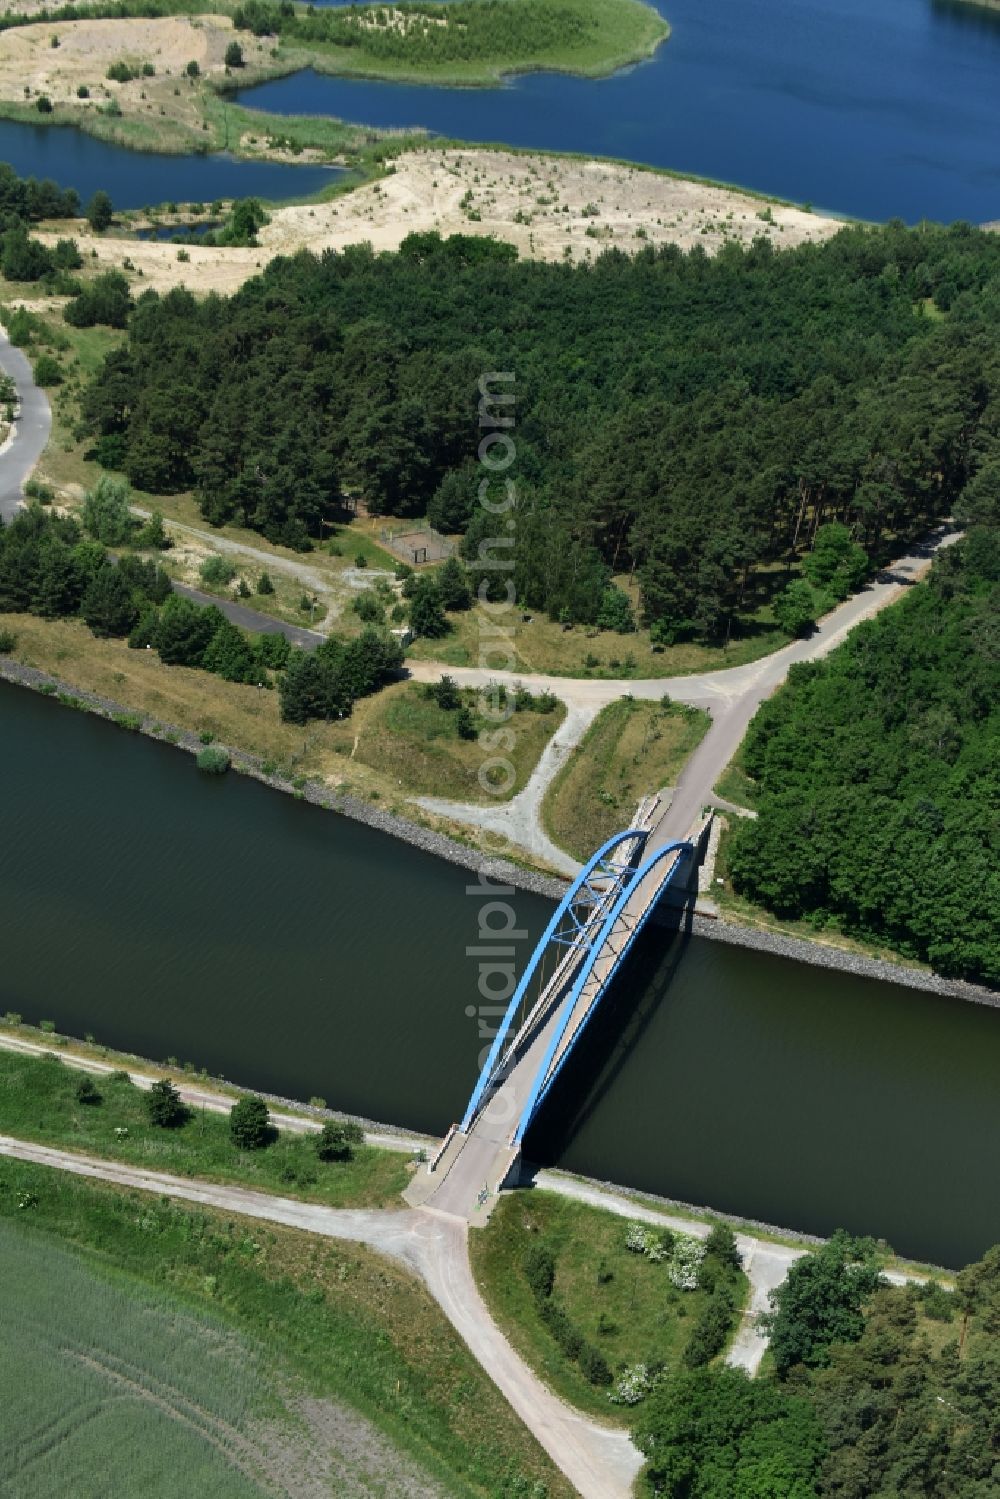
(621, 1302)
(409, 739)
(633, 748)
(155, 1349)
(38, 1102)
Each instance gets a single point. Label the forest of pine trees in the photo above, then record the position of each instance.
(695, 421)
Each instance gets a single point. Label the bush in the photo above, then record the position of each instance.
(8, 640)
(164, 1105)
(540, 1271)
(234, 55)
(264, 584)
(83, 92)
(721, 1246)
(213, 761)
(192, 69)
(711, 1331)
(120, 72)
(336, 1140)
(217, 570)
(47, 371)
(250, 1123)
(43, 104)
(87, 1091)
(593, 1365)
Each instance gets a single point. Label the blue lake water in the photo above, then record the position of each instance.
(135, 179)
(878, 108)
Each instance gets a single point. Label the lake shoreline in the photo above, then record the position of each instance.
(500, 871)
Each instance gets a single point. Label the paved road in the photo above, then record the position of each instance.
(599, 1461)
(731, 695)
(25, 444)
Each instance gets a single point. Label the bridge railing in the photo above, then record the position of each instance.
(553, 1060)
(594, 890)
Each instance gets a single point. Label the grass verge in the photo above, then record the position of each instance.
(38, 1101)
(348, 1324)
(409, 738)
(622, 1303)
(633, 748)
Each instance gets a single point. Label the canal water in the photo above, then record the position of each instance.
(223, 924)
(876, 108)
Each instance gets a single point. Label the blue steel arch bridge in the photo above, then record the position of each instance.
(570, 973)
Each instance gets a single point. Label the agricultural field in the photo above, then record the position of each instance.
(632, 749)
(151, 1348)
(112, 1387)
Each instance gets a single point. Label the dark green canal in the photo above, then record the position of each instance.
(289, 949)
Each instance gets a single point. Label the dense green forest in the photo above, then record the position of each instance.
(879, 770)
(877, 1392)
(695, 420)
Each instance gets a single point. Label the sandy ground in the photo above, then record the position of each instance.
(551, 209)
(29, 62)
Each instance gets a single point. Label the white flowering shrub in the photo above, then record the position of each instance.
(632, 1385)
(685, 1262)
(635, 1239)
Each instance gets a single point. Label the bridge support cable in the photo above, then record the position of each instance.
(578, 915)
(631, 923)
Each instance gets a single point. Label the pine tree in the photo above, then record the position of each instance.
(107, 605)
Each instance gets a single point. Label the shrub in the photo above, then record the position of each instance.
(336, 1140)
(192, 70)
(217, 570)
(264, 584)
(120, 72)
(632, 1385)
(43, 104)
(593, 1365)
(83, 92)
(540, 1271)
(164, 1105)
(47, 371)
(711, 1331)
(721, 1246)
(213, 761)
(8, 640)
(234, 55)
(250, 1123)
(87, 1091)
